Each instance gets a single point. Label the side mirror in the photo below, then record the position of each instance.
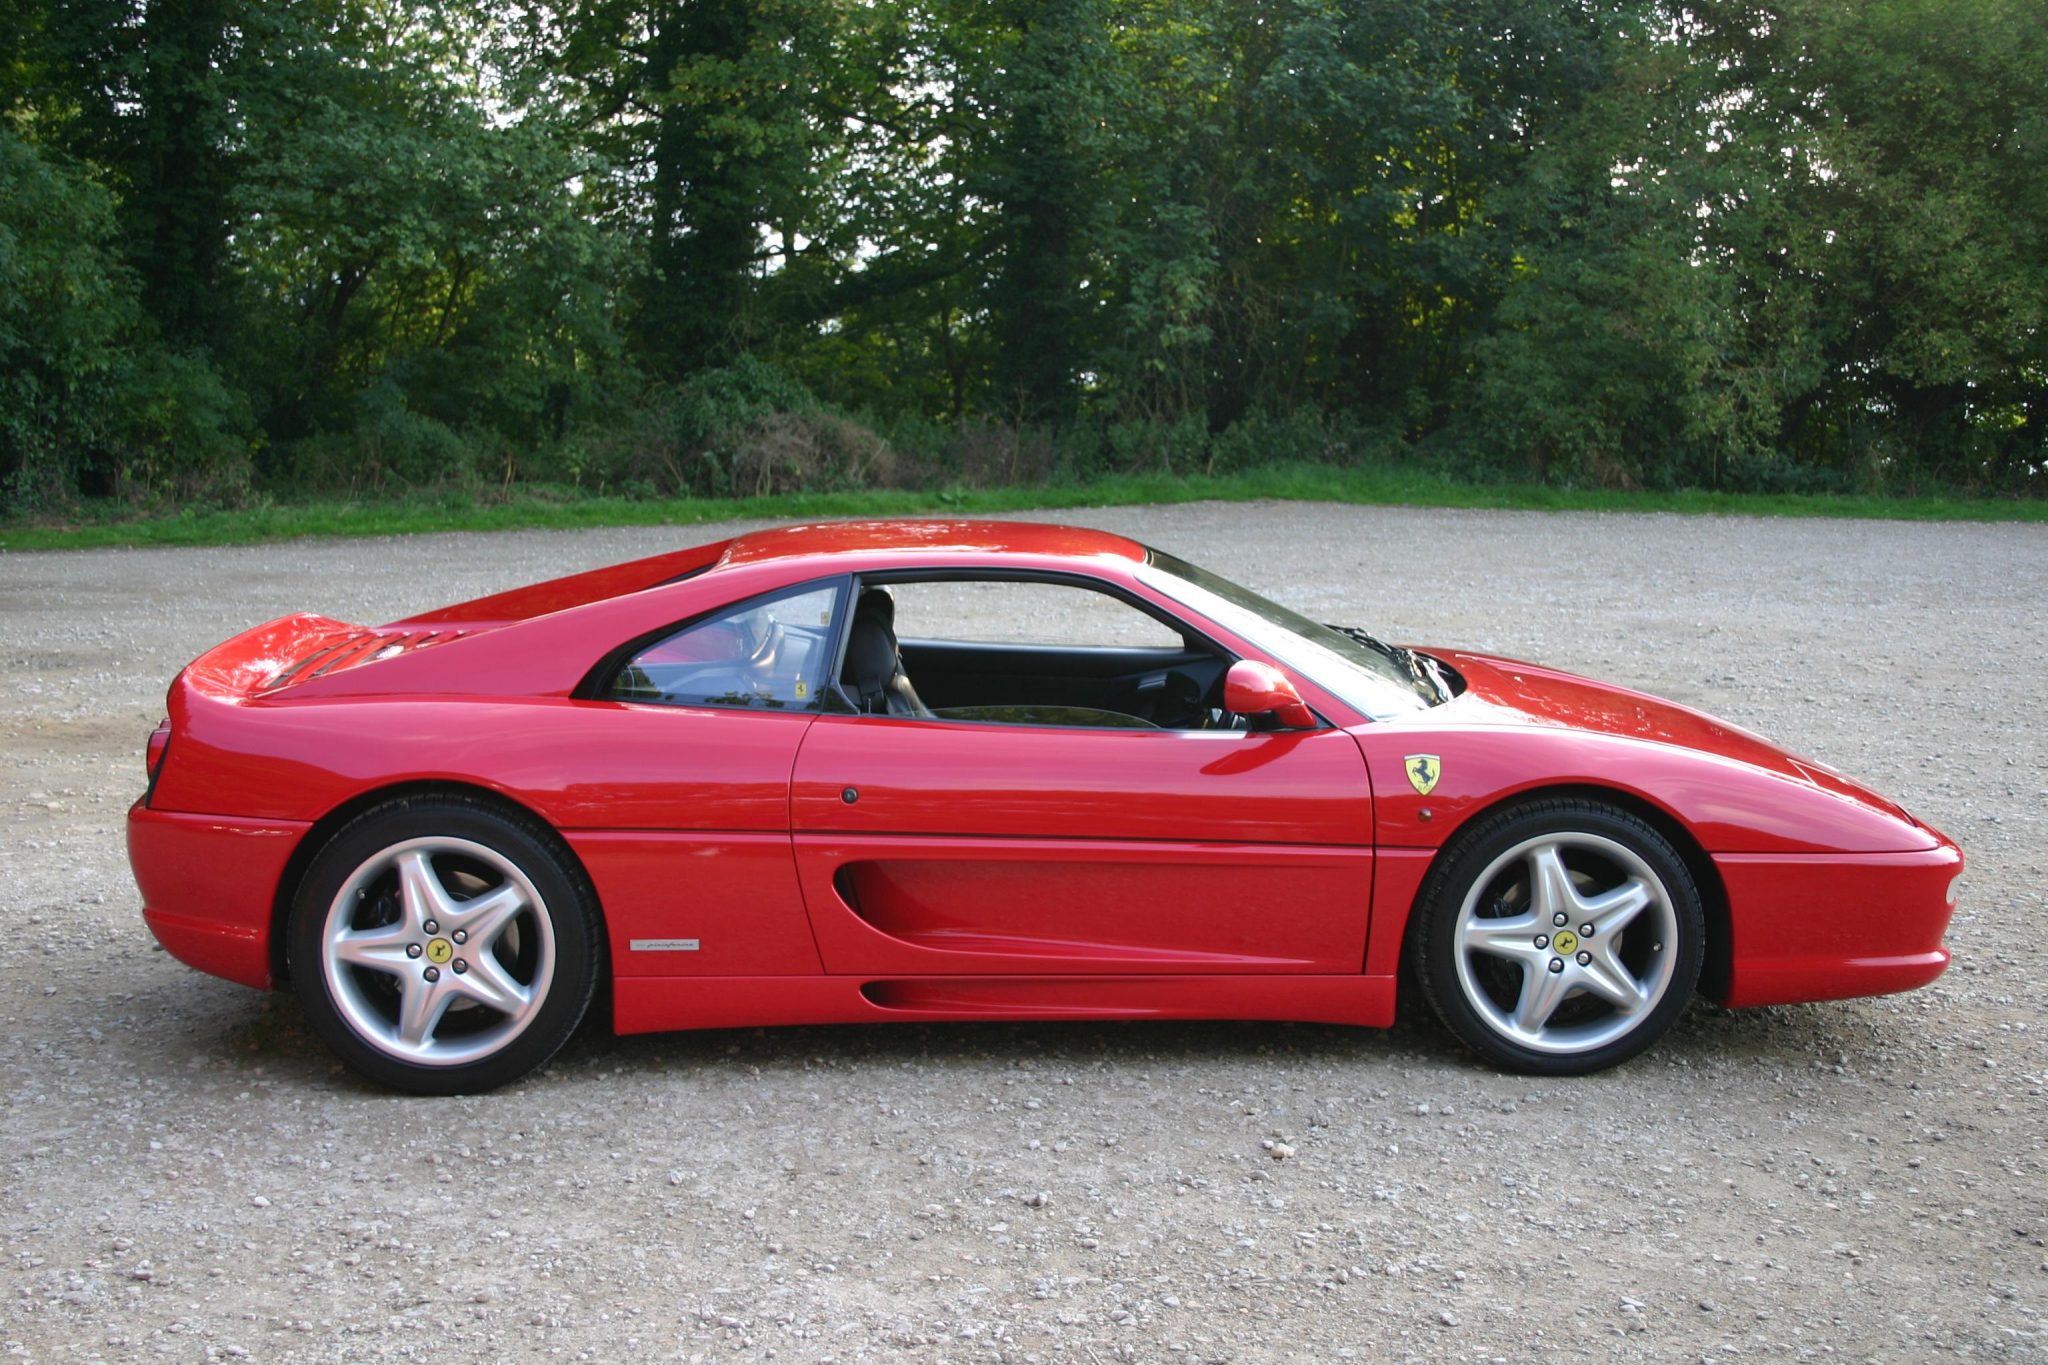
(1251, 688)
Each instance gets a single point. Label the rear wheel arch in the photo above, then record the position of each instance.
(342, 816)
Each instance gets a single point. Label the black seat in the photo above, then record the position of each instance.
(873, 675)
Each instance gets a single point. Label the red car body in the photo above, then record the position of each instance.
(835, 867)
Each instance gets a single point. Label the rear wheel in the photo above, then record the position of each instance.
(1559, 937)
(443, 946)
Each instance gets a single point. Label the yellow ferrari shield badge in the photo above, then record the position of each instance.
(1423, 771)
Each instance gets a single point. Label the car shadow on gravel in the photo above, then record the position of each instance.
(267, 1034)
(1706, 1036)
(1132, 1042)
(1836, 1031)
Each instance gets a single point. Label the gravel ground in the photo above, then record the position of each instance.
(189, 1176)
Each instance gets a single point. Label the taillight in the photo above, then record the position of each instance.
(159, 741)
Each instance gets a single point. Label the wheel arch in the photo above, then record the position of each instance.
(1715, 971)
(337, 819)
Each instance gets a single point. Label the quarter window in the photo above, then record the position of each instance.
(774, 653)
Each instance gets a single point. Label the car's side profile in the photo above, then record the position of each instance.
(931, 770)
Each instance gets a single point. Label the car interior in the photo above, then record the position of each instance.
(1173, 682)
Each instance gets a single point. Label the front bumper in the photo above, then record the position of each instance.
(209, 884)
(1826, 927)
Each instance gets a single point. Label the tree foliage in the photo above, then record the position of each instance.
(364, 242)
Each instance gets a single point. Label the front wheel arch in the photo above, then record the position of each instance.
(1718, 966)
(1440, 960)
(338, 819)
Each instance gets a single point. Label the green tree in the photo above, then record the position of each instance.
(1783, 243)
(64, 304)
(385, 223)
(90, 400)
(704, 116)
(1042, 169)
(1794, 244)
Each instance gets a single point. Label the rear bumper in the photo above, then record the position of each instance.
(208, 885)
(1825, 927)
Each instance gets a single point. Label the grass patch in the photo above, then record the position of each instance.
(553, 509)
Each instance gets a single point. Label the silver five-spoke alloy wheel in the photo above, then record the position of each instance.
(444, 943)
(1585, 924)
(1559, 936)
(438, 951)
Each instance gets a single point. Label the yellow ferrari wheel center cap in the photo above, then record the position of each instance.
(1566, 943)
(439, 950)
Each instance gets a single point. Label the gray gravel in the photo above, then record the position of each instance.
(189, 1176)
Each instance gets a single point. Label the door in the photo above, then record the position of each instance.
(950, 847)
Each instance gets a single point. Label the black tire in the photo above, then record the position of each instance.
(1534, 996)
(439, 1008)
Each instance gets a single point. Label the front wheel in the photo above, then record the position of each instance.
(1559, 937)
(442, 946)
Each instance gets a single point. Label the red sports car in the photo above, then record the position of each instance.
(947, 770)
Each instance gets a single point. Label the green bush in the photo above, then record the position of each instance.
(1156, 447)
(1303, 436)
(183, 432)
(737, 430)
(387, 446)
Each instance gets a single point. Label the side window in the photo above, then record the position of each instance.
(1011, 651)
(1013, 612)
(771, 653)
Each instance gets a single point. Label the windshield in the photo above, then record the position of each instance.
(1378, 679)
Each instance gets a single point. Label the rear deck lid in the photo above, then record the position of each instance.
(297, 648)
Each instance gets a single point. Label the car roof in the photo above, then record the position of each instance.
(934, 536)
